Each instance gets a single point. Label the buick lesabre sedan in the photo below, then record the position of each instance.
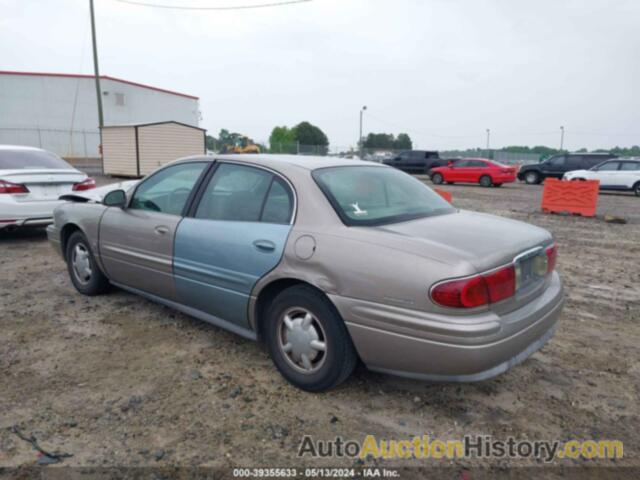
(328, 261)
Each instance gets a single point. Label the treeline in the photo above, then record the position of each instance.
(633, 151)
(387, 141)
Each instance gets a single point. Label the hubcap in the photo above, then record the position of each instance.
(81, 263)
(302, 340)
(531, 178)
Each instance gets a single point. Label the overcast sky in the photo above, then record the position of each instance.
(442, 70)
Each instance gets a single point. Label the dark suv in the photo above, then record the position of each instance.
(558, 165)
(416, 161)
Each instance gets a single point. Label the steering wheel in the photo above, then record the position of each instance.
(151, 205)
(174, 195)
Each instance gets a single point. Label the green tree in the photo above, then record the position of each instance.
(211, 142)
(379, 141)
(283, 140)
(403, 142)
(308, 134)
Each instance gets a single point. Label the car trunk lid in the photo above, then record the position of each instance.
(484, 241)
(43, 184)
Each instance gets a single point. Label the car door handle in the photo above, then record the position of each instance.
(161, 229)
(264, 245)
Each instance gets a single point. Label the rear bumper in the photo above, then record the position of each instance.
(27, 214)
(25, 222)
(426, 346)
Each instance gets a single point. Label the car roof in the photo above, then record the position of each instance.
(286, 162)
(21, 147)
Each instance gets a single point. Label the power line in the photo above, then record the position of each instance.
(238, 7)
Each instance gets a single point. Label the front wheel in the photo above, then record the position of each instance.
(308, 340)
(85, 274)
(437, 178)
(486, 181)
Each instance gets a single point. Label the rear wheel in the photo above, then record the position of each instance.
(636, 189)
(437, 178)
(308, 340)
(85, 274)
(486, 181)
(532, 178)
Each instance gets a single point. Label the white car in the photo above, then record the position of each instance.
(31, 182)
(615, 174)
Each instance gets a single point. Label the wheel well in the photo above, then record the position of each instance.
(65, 233)
(269, 293)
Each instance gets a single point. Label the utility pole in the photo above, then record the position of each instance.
(488, 137)
(360, 142)
(96, 71)
(561, 137)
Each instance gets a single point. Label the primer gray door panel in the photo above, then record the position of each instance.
(136, 247)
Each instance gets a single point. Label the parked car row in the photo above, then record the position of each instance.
(616, 174)
(557, 165)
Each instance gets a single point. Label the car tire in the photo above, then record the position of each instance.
(485, 181)
(84, 272)
(308, 340)
(636, 189)
(437, 178)
(532, 178)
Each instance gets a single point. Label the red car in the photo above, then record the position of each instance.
(474, 170)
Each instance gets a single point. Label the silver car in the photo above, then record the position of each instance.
(328, 261)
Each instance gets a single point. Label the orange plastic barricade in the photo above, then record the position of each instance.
(578, 197)
(446, 195)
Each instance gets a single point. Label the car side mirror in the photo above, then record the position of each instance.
(116, 198)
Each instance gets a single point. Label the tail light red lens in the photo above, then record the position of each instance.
(467, 293)
(8, 187)
(87, 184)
(552, 257)
(476, 291)
(501, 284)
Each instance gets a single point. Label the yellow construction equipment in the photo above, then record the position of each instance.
(241, 144)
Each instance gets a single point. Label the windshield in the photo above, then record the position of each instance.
(378, 195)
(23, 159)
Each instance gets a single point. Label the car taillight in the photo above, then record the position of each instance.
(552, 257)
(87, 184)
(8, 187)
(476, 291)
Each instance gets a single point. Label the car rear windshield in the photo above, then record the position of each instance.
(370, 195)
(21, 159)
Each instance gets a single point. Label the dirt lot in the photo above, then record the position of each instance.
(117, 380)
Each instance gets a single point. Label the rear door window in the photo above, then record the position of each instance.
(279, 203)
(574, 162)
(630, 166)
(235, 193)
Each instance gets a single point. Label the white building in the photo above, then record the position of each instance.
(59, 112)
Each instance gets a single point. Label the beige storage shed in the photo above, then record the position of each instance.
(137, 150)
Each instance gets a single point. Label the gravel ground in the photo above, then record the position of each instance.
(117, 380)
